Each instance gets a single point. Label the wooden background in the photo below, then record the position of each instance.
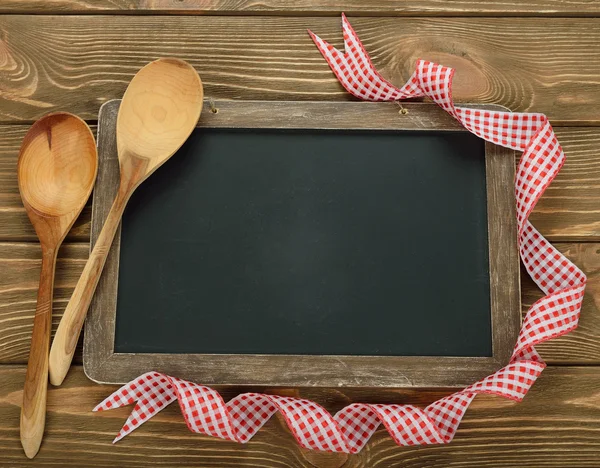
(539, 55)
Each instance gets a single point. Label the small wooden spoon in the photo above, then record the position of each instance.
(159, 110)
(56, 170)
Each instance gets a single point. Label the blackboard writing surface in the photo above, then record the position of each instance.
(270, 241)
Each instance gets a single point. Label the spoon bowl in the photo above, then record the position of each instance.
(56, 171)
(157, 115)
(159, 111)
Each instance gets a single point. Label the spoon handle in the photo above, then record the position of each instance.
(33, 411)
(69, 328)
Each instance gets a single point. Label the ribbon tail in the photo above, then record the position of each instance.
(151, 392)
(326, 49)
(351, 40)
(355, 71)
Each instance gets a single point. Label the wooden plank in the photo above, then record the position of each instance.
(567, 212)
(20, 264)
(555, 426)
(570, 207)
(76, 63)
(304, 7)
(19, 276)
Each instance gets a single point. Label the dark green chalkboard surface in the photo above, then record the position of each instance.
(270, 241)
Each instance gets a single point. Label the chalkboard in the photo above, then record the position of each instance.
(275, 241)
(314, 242)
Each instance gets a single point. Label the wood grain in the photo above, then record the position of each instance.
(305, 7)
(555, 426)
(570, 207)
(33, 409)
(20, 268)
(549, 65)
(14, 224)
(19, 275)
(567, 212)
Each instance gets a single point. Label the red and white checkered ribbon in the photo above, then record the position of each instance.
(349, 429)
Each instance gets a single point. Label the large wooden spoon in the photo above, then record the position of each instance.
(56, 170)
(159, 110)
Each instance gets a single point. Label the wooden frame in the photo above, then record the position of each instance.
(103, 365)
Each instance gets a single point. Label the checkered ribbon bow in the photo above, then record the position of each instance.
(349, 430)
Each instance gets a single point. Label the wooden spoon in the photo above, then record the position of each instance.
(159, 110)
(56, 170)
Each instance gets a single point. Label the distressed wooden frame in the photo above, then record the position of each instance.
(103, 365)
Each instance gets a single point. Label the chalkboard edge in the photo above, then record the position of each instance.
(102, 365)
